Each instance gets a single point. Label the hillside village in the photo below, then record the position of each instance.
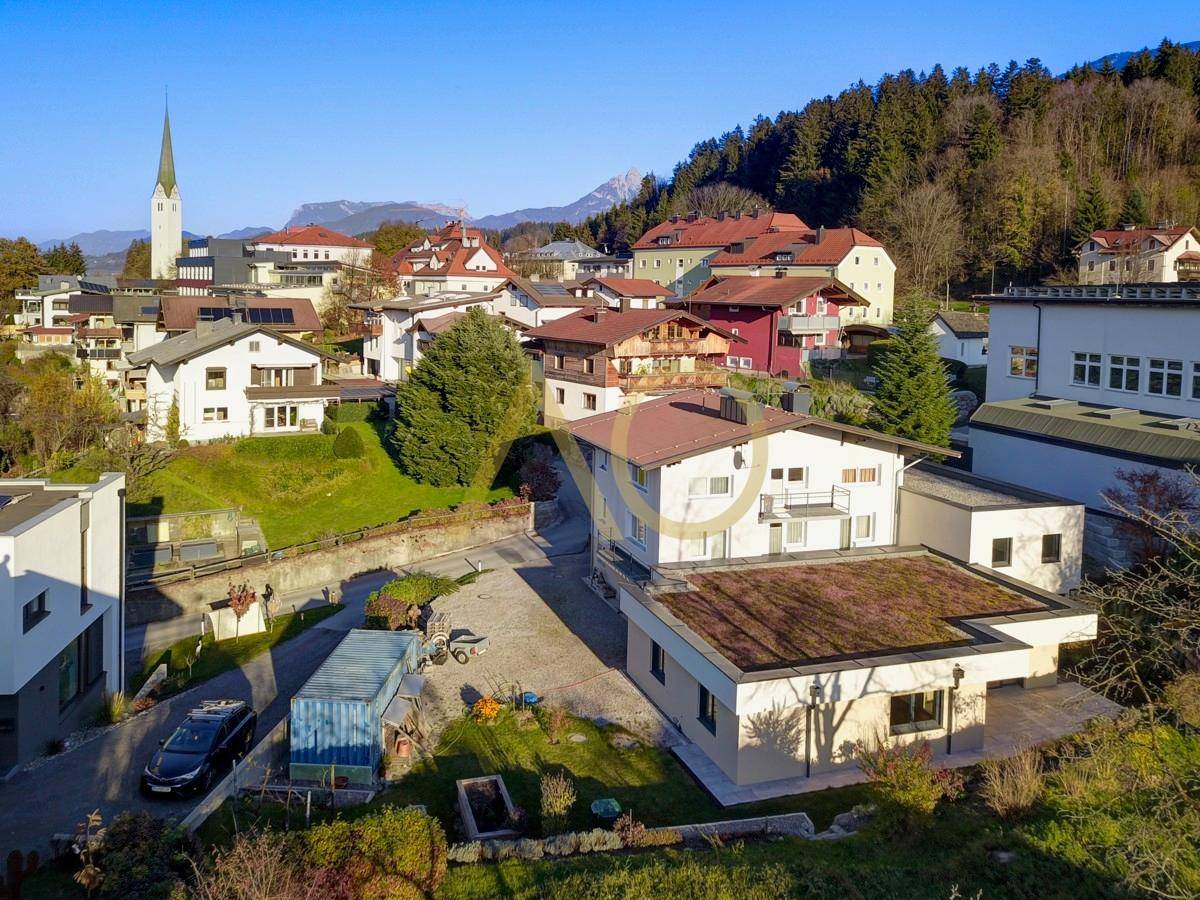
(737, 555)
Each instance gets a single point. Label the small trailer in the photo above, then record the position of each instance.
(440, 644)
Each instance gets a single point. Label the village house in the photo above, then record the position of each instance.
(454, 258)
(312, 243)
(1132, 255)
(602, 359)
(1087, 381)
(630, 293)
(557, 260)
(961, 336)
(785, 322)
(289, 315)
(234, 378)
(721, 525)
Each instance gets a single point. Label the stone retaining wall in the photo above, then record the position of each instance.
(327, 567)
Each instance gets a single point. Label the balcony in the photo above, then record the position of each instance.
(809, 324)
(662, 381)
(98, 353)
(831, 504)
(621, 561)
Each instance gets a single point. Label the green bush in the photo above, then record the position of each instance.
(558, 796)
(349, 444)
(144, 857)
(329, 425)
(351, 412)
(876, 350)
(395, 853)
(387, 608)
(905, 784)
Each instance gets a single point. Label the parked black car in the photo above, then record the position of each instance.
(211, 739)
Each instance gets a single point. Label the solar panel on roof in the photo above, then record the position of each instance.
(552, 288)
(271, 315)
(213, 313)
(149, 310)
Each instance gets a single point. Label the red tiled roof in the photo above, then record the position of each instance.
(438, 324)
(455, 258)
(1189, 256)
(1118, 239)
(835, 244)
(100, 333)
(309, 236)
(633, 287)
(49, 329)
(754, 290)
(665, 430)
(710, 232)
(605, 327)
(179, 313)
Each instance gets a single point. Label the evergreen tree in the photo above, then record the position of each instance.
(1091, 214)
(137, 260)
(20, 266)
(983, 140)
(172, 431)
(463, 403)
(66, 260)
(1134, 211)
(913, 398)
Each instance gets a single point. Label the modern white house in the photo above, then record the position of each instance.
(234, 378)
(1086, 381)
(961, 336)
(62, 578)
(313, 243)
(1132, 255)
(630, 293)
(774, 611)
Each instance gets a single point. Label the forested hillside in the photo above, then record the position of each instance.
(962, 173)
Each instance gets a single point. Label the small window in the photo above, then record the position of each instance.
(216, 414)
(589, 401)
(638, 476)
(708, 710)
(864, 527)
(560, 395)
(731, 361)
(255, 346)
(658, 264)
(797, 533)
(214, 379)
(1124, 373)
(641, 263)
(916, 712)
(589, 366)
(795, 475)
(1196, 381)
(868, 475)
(34, 611)
(777, 474)
(1165, 378)
(849, 476)
(657, 663)
(637, 529)
(746, 362)
(558, 360)
(1023, 362)
(1085, 370)
(1051, 548)
(696, 545)
(602, 459)
(1001, 553)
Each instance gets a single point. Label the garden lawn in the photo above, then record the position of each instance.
(294, 486)
(221, 656)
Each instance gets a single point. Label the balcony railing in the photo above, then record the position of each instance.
(620, 559)
(657, 381)
(833, 503)
(98, 353)
(808, 324)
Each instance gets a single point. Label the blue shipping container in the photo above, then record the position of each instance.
(336, 722)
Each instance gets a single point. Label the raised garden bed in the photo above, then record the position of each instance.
(486, 808)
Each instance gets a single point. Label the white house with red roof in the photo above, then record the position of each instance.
(630, 293)
(314, 243)
(1129, 255)
(454, 258)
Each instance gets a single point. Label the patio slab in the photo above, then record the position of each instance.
(1016, 717)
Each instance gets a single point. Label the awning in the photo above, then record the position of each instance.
(397, 711)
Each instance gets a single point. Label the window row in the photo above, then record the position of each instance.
(1153, 375)
(1002, 550)
(587, 400)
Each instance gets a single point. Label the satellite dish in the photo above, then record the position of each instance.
(739, 461)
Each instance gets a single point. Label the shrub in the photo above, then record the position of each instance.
(144, 857)
(258, 864)
(538, 478)
(661, 837)
(1011, 786)
(905, 783)
(876, 350)
(632, 832)
(349, 444)
(350, 412)
(329, 425)
(396, 853)
(387, 608)
(113, 709)
(598, 840)
(1182, 697)
(529, 849)
(468, 853)
(485, 709)
(561, 844)
(558, 796)
(975, 379)
(556, 720)
(839, 402)
(956, 371)
(289, 447)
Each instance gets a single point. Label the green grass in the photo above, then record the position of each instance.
(221, 656)
(647, 780)
(294, 486)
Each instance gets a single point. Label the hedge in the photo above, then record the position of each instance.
(300, 446)
(350, 412)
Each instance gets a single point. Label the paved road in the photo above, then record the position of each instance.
(103, 773)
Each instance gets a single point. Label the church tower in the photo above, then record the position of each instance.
(166, 212)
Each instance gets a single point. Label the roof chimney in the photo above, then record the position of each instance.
(1129, 226)
(756, 211)
(626, 304)
(675, 218)
(721, 216)
(693, 216)
(734, 403)
(820, 233)
(599, 313)
(737, 215)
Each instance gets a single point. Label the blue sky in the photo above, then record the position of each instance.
(498, 105)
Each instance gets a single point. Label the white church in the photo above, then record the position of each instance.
(166, 212)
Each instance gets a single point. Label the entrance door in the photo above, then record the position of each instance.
(716, 545)
(844, 542)
(776, 537)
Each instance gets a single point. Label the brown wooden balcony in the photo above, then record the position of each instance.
(665, 381)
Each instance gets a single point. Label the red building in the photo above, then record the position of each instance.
(785, 322)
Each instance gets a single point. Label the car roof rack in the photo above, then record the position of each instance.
(216, 708)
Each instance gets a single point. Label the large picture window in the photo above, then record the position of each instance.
(1085, 370)
(1165, 378)
(282, 416)
(1124, 373)
(916, 712)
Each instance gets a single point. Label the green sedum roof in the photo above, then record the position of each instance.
(1150, 435)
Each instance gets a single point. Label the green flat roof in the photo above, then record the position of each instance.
(1169, 438)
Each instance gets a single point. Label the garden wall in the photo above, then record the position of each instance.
(330, 565)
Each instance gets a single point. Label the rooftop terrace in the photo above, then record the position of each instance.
(768, 616)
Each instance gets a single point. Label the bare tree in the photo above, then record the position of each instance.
(362, 279)
(723, 197)
(923, 230)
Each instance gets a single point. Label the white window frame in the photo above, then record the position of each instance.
(637, 531)
(1120, 363)
(1164, 369)
(869, 520)
(745, 362)
(639, 477)
(1196, 381)
(1022, 357)
(1092, 363)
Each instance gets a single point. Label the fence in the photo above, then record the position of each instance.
(256, 767)
(416, 522)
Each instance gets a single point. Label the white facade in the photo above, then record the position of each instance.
(166, 231)
(1155, 256)
(61, 598)
(1138, 355)
(50, 308)
(970, 351)
(309, 252)
(213, 405)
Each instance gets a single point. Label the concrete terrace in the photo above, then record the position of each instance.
(1016, 718)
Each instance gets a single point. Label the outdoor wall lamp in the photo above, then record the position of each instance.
(958, 673)
(814, 695)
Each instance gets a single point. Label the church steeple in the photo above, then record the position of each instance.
(166, 159)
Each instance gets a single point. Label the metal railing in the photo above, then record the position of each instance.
(801, 504)
(808, 324)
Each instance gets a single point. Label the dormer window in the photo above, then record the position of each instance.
(664, 241)
(785, 256)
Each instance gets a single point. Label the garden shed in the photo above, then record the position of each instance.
(337, 716)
